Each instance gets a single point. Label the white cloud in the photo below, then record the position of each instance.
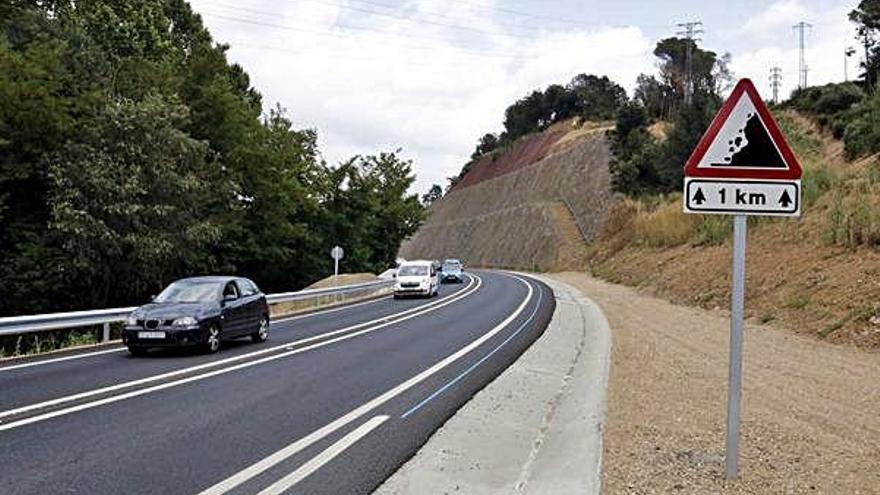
(825, 43)
(371, 83)
(778, 16)
(429, 89)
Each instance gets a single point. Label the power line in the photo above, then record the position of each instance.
(400, 17)
(690, 31)
(519, 13)
(449, 17)
(775, 82)
(479, 53)
(801, 27)
(341, 35)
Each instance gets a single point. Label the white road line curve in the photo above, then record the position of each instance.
(40, 362)
(259, 467)
(222, 371)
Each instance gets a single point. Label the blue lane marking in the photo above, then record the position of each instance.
(482, 360)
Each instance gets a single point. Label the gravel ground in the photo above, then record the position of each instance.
(811, 410)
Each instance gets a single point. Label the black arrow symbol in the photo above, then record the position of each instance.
(785, 199)
(699, 197)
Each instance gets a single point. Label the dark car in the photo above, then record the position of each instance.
(199, 312)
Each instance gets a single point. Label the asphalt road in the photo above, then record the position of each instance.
(333, 403)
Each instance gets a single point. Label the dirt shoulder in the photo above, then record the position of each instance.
(811, 410)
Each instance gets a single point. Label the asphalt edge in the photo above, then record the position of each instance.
(527, 447)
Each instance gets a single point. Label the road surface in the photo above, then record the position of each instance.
(333, 403)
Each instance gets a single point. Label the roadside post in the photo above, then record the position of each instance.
(743, 167)
(336, 253)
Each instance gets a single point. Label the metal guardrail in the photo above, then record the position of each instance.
(15, 325)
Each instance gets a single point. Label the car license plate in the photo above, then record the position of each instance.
(151, 335)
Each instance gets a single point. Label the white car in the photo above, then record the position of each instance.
(419, 278)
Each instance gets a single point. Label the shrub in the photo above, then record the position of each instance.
(836, 98)
(854, 216)
(862, 134)
(712, 230)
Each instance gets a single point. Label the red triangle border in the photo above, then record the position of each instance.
(743, 86)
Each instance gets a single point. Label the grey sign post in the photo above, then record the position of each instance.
(336, 253)
(737, 309)
(742, 166)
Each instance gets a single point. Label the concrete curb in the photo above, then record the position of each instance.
(537, 428)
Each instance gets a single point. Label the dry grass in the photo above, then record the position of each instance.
(665, 225)
(344, 279)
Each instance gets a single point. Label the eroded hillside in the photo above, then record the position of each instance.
(535, 206)
(817, 275)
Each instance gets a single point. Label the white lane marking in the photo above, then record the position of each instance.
(222, 371)
(60, 359)
(99, 353)
(245, 475)
(319, 460)
(477, 364)
(211, 364)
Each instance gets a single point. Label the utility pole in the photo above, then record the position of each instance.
(775, 82)
(802, 65)
(689, 30)
(847, 53)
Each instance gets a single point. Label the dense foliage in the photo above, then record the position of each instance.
(644, 163)
(133, 153)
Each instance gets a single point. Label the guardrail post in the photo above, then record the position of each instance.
(105, 335)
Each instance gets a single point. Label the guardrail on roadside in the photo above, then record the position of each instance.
(15, 325)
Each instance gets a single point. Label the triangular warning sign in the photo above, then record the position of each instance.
(743, 142)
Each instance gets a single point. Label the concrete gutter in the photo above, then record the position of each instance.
(536, 429)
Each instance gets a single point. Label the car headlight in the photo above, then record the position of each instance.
(132, 320)
(186, 321)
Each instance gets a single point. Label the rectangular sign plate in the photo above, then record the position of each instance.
(742, 197)
(151, 335)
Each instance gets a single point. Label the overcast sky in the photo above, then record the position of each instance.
(432, 76)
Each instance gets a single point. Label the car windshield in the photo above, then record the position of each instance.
(451, 267)
(412, 270)
(189, 291)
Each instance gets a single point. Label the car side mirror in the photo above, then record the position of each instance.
(152, 297)
(229, 297)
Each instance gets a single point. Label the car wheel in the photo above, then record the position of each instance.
(263, 332)
(212, 340)
(137, 351)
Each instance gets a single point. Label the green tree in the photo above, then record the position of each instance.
(866, 16)
(127, 201)
(433, 194)
(595, 98)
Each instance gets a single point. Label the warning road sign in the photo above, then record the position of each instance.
(741, 166)
(743, 142)
(743, 163)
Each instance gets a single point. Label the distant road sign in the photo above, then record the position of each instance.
(337, 253)
(742, 164)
